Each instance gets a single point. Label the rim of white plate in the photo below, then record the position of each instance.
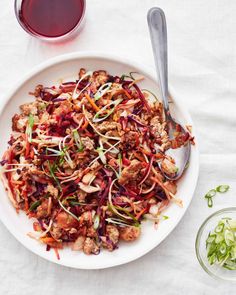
(149, 73)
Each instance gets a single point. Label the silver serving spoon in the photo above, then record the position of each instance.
(158, 32)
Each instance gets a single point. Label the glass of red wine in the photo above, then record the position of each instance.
(50, 19)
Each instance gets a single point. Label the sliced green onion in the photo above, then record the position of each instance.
(150, 92)
(113, 169)
(102, 155)
(68, 199)
(68, 211)
(223, 248)
(125, 76)
(52, 169)
(102, 91)
(75, 95)
(114, 103)
(212, 259)
(95, 129)
(219, 228)
(221, 245)
(211, 193)
(222, 188)
(29, 127)
(120, 163)
(130, 76)
(117, 221)
(211, 238)
(229, 237)
(34, 205)
(116, 209)
(96, 221)
(78, 140)
(75, 203)
(209, 202)
(219, 238)
(165, 217)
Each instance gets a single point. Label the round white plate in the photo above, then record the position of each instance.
(66, 67)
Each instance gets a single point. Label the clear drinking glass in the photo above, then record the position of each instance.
(51, 19)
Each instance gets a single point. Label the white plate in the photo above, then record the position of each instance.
(67, 67)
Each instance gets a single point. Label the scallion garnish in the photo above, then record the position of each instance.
(219, 189)
(52, 169)
(98, 116)
(221, 244)
(150, 92)
(102, 91)
(211, 193)
(78, 140)
(75, 203)
(222, 188)
(165, 217)
(68, 211)
(29, 128)
(34, 205)
(96, 221)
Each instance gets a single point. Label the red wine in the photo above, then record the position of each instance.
(51, 18)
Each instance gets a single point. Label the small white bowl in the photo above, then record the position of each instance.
(66, 67)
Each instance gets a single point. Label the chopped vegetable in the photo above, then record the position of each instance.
(222, 188)
(29, 127)
(99, 115)
(77, 140)
(102, 91)
(96, 222)
(212, 193)
(34, 205)
(221, 244)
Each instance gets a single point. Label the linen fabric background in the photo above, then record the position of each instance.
(202, 71)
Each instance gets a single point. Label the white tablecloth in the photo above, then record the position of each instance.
(202, 70)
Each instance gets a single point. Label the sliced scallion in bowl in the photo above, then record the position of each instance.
(221, 244)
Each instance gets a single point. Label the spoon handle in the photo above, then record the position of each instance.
(158, 32)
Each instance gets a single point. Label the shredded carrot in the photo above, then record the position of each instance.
(139, 157)
(141, 213)
(127, 94)
(162, 186)
(93, 104)
(47, 240)
(121, 91)
(85, 125)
